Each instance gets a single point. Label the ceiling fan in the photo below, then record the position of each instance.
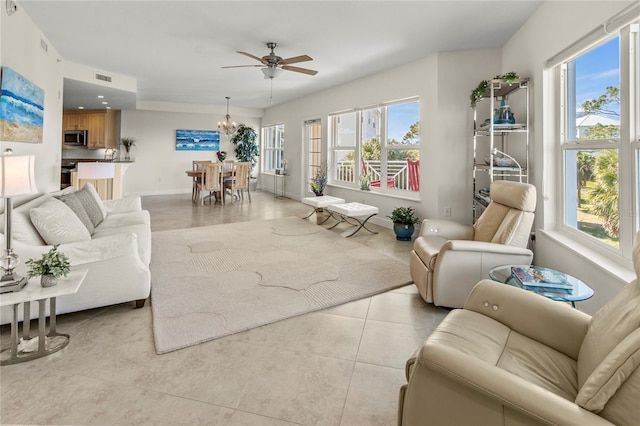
(271, 64)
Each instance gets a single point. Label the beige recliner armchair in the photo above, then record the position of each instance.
(512, 357)
(449, 258)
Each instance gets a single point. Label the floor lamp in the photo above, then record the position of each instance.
(17, 178)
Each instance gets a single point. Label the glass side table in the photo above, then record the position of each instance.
(579, 291)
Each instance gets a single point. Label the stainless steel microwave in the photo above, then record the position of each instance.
(76, 137)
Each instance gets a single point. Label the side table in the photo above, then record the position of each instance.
(50, 342)
(278, 177)
(579, 291)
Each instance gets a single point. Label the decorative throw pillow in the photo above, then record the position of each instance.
(87, 187)
(84, 203)
(76, 204)
(57, 223)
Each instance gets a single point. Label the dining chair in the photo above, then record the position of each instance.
(239, 180)
(198, 166)
(211, 182)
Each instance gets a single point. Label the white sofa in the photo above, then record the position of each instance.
(116, 254)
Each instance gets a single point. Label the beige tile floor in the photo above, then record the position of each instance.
(340, 366)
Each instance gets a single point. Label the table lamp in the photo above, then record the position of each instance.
(17, 177)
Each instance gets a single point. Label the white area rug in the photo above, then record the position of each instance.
(218, 280)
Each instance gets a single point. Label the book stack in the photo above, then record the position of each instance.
(483, 197)
(541, 278)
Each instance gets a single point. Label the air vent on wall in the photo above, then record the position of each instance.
(44, 45)
(103, 77)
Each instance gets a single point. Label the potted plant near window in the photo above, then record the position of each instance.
(51, 266)
(319, 181)
(246, 148)
(403, 219)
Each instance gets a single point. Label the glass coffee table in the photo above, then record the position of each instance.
(576, 290)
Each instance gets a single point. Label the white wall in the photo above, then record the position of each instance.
(553, 27)
(20, 50)
(158, 167)
(443, 83)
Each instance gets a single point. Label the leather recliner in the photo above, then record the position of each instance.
(449, 258)
(512, 357)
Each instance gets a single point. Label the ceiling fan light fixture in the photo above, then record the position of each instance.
(227, 127)
(271, 72)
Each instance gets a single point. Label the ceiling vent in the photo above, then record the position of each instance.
(103, 77)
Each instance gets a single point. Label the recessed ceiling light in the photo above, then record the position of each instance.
(105, 103)
(100, 97)
(108, 107)
(80, 107)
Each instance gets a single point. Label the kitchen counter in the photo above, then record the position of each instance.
(108, 189)
(69, 165)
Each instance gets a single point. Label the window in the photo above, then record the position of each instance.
(273, 147)
(313, 130)
(382, 143)
(599, 142)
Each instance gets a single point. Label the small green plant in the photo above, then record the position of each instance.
(404, 215)
(365, 182)
(128, 143)
(52, 262)
(479, 92)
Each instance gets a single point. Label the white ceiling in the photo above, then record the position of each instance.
(175, 49)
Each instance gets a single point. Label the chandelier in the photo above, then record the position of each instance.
(227, 127)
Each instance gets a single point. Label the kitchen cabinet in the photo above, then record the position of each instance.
(100, 124)
(73, 121)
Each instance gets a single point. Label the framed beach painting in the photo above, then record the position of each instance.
(197, 140)
(21, 108)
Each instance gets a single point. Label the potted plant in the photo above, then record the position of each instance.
(319, 181)
(245, 142)
(222, 155)
(403, 219)
(246, 149)
(365, 182)
(128, 143)
(51, 266)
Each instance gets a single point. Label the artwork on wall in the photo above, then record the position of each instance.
(197, 140)
(21, 108)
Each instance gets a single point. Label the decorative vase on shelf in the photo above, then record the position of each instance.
(127, 156)
(48, 280)
(318, 194)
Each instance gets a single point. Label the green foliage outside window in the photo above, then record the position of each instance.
(598, 170)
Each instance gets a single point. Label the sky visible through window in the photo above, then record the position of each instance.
(400, 118)
(596, 70)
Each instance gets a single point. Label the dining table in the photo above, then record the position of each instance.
(197, 173)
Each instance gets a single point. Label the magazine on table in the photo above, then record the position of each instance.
(533, 276)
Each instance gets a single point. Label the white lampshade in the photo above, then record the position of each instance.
(96, 170)
(17, 175)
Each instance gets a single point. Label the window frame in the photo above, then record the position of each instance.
(272, 154)
(358, 146)
(627, 144)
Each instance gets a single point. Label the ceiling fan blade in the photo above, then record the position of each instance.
(296, 59)
(242, 66)
(251, 56)
(298, 69)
